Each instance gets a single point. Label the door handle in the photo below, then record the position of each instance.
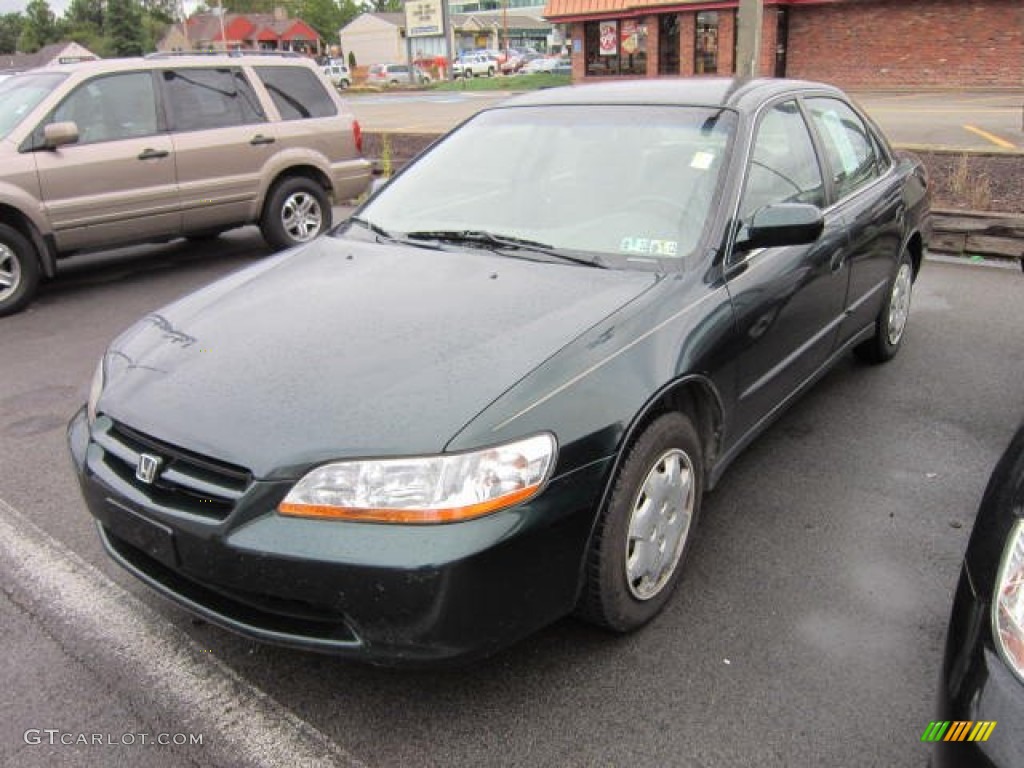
(259, 138)
(150, 154)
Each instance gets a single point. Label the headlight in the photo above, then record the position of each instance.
(1008, 605)
(95, 390)
(428, 489)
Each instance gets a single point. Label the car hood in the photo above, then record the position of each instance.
(344, 349)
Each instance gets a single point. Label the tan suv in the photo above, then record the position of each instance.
(113, 152)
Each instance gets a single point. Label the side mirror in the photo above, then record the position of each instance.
(58, 134)
(781, 224)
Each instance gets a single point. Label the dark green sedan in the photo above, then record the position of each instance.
(496, 394)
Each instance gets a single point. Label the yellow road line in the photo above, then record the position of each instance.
(990, 137)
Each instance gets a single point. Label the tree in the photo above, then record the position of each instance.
(384, 6)
(10, 31)
(85, 12)
(39, 27)
(123, 26)
(327, 16)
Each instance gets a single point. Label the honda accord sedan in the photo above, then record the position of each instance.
(497, 393)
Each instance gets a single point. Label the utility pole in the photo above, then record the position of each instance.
(748, 37)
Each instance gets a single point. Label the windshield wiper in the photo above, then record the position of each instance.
(383, 234)
(481, 237)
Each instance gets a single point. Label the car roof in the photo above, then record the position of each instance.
(741, 94)
(183, 60)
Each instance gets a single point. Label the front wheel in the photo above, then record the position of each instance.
(297, 210)
(891, 325)
(19, 271)
(640, 543)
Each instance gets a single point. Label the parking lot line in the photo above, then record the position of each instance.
(999, 142)
(135, 650)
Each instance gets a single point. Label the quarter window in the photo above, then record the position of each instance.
(852, 152)
(783, 165)
(110, 108)
(297, 92)
(200, 99)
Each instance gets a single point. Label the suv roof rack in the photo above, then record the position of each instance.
(235, 53)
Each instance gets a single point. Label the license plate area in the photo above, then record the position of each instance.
(153, 538)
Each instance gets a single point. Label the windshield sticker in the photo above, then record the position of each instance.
(646, 246)
(702, 161)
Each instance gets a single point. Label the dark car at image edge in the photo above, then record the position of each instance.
(473, 409)
(982, 683)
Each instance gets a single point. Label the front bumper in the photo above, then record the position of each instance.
(387, 593)
(976, 685)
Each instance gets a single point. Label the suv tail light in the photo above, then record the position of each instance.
(357, 134)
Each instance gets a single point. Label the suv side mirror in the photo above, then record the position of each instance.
(781, 224)
(58, 134)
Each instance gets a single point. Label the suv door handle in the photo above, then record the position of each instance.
(149, 154)
(259, 138)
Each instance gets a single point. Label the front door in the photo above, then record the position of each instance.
(788, 301)
(117, 184)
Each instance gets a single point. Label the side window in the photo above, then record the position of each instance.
(199, 99)
(296, 92)
(852, 151)
(783, 165)
(111, 107)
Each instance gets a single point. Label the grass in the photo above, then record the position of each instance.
(511, 83)
(973, 188)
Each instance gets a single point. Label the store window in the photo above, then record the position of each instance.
(615, 47)
(668, 44)
(705, 54)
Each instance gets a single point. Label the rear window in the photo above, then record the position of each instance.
(201, 99)
(297, 92)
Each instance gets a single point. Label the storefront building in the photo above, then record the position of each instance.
(851, 43)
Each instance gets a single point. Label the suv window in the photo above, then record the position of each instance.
(111, 107)
(783, 165)
(199, 99)
(851, 150)
(296, 92)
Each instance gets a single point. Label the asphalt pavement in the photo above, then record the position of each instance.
(990, 121)
(807, 630)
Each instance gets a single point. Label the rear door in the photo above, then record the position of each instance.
(117, 183)
(222, 140)
(870, 199)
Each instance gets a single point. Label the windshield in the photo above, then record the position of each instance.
(632, 185)
(20, 94)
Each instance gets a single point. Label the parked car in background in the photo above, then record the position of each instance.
(981, 693)
(474, 65)
(338, 74)
(395, 74)
(542, 64)
(516, 60)
(117, 151)
(504, 401)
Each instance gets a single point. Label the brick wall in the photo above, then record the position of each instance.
(883, 43)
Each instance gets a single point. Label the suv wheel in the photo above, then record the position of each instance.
(297, 210)
(19, 271)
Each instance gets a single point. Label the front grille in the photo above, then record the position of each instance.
(184, 481)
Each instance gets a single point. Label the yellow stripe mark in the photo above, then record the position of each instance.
(980, 726)
(990, 137)
(988, 731)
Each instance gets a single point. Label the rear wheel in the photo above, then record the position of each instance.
(19, 271)
(297, 210)
(644, 533)
(891, 324)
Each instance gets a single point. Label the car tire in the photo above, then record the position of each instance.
(490, 71)
(344, 84)
(19, 271)
(652, 509)
(297, 210)
(891, 325)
